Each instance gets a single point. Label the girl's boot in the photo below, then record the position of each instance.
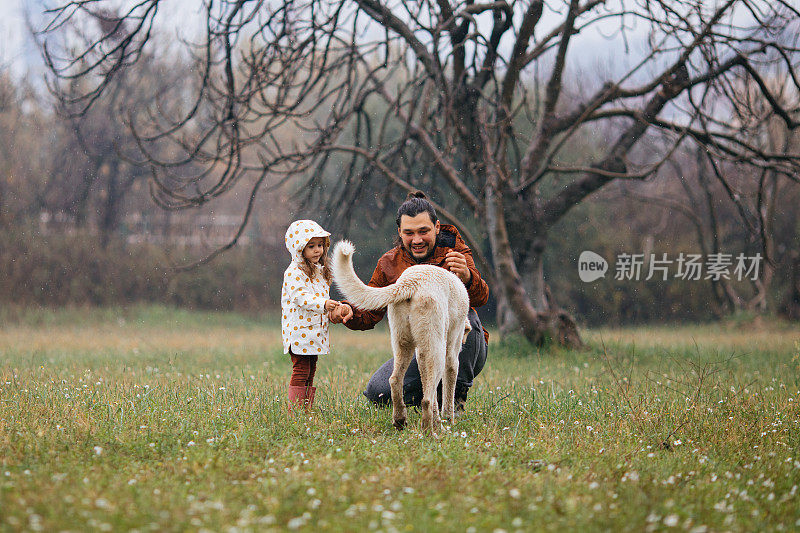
(310, 396)
(298, 398)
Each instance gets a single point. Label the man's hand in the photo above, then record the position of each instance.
(456, 263)
(341, 314)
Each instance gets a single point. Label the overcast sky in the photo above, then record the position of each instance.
(18, 52)
(12, 28)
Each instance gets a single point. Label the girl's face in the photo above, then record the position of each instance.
(314, 249)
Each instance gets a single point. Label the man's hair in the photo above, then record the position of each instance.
(416, 202)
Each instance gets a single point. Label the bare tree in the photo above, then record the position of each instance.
(24, 152)
(7, 100)
(96, 157)
(731, 201)
(473, 94)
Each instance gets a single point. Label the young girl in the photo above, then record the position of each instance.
(304, 307)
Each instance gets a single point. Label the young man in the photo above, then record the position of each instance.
(422, 239)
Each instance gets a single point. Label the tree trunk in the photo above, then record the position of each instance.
(791, 306)
(533, 276)
(507, 322)
(110, 214)
(559, 320)
(3, 214)
(538, 326)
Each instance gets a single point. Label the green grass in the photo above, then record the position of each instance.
(156, 419)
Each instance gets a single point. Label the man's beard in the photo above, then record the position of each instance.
(427, 255)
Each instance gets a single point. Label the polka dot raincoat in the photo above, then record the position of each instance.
(304, 323)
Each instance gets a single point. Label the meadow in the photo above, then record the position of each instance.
(155, 419)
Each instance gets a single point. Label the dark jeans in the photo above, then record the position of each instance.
(471, 359)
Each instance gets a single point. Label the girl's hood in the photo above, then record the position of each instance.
(298, 235)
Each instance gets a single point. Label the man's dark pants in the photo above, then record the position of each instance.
(471, 359)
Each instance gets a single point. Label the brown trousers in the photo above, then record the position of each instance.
(303, 369)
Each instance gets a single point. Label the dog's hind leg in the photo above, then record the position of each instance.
(450, 373)
(403, 354)
(427, 322)
(430, 361)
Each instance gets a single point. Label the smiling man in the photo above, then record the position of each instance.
(422, 239)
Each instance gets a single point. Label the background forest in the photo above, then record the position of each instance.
(79, 224)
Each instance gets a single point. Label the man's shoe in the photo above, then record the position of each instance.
(460, 406)
(460, 400)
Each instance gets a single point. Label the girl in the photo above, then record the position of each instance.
(304, 307)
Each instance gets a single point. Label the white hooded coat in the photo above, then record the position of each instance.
(304, 323)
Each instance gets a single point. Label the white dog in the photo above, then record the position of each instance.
(427, 309)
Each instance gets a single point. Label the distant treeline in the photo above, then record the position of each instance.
(78, 227)
(60, 270)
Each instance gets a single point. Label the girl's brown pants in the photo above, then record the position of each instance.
(303, 369)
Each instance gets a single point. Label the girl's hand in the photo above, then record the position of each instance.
(330, 305)
(341, 314)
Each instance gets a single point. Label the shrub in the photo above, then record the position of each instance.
(57, 270)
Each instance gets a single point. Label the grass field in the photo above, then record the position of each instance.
(156, 419)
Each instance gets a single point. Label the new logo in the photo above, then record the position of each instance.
(591, 266)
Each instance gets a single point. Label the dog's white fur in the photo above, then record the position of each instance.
(427, 308)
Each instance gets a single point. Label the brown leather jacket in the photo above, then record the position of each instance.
(396, 260)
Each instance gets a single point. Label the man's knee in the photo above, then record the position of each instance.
(473, 352)
(377, 394)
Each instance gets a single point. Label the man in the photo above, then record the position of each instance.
(422, 239)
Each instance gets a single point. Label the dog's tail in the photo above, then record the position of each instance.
(354, 290)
